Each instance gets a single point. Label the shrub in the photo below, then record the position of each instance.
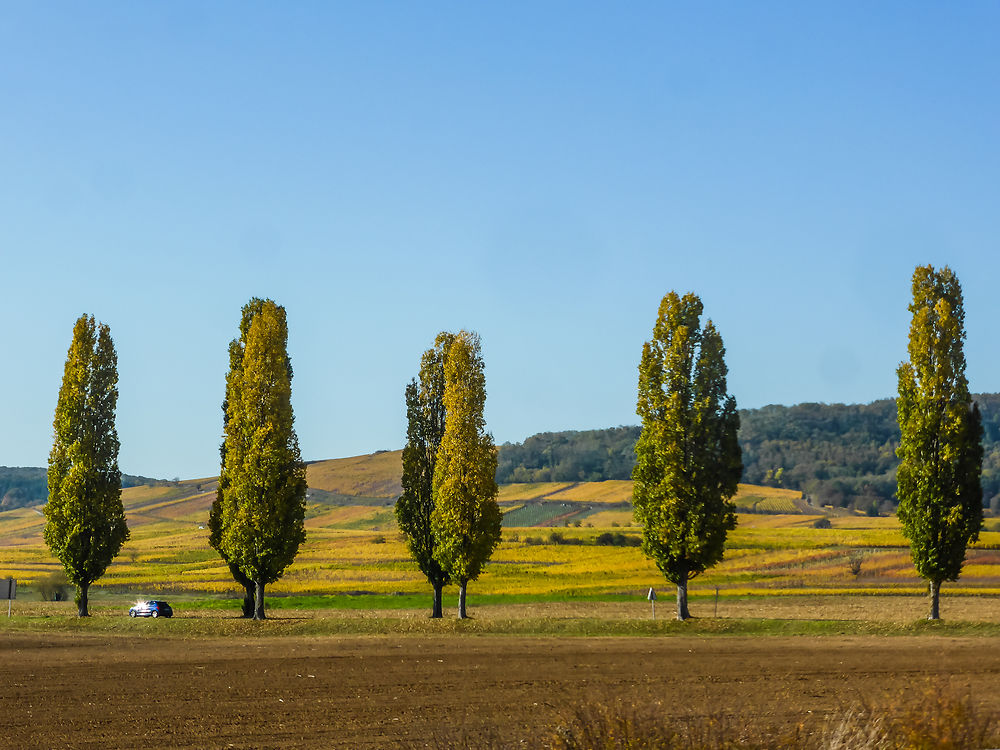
(616, 539)
(54, 587)
(556, 537)
(822, 523)
(854, 560)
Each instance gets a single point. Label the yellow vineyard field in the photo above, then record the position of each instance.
(354, 548)
(767, 499)
(611, 518)
(613, 491)
(512, 493)
(335, 517)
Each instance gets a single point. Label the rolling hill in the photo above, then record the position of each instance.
(359, 492)
(374, 475)
(836, 454)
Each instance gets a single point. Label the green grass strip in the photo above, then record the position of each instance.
(288, 624)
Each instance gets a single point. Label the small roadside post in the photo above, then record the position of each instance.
(716, 601)
(652, 600)
(8, 591)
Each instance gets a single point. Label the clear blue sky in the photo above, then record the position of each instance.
(542, 173)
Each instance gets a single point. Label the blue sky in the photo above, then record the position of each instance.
(542, 173)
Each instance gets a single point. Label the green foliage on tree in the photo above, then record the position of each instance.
(236, 349)
(85, 521)
(425, 419)
(941, 454)
(262, 506)
(688, 458)
(466, 518)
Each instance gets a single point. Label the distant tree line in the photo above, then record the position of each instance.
(845, 455)
(21, 486)
(586, 456)
(838, 454)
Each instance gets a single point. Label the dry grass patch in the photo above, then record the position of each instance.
(610, 491)
(938, 717)
(376, 475)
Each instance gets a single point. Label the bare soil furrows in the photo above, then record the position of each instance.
(63, 690)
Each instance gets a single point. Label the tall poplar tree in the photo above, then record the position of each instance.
(263, 506)
(940, 451)
(688, 462)
(466, 518)
(236, 349)
(425, 418)
(85, 521)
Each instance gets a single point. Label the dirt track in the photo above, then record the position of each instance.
(64, 690)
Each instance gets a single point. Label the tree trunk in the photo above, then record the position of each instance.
(438, 611)
(249, 592)
(81, 600)
(462, 614)
(682, 599)
(258, 611)
(249, 589)
(935, 590)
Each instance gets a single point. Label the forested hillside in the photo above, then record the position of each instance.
(21, 486)
(588, 456)
(839, 454)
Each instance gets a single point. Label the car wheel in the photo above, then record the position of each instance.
(131, 613)
(155, 613)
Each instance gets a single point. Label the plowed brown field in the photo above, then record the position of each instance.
(84, 691)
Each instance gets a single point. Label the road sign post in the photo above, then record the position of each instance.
(8, 591)
(652, 600)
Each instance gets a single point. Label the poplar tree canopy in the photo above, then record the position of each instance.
(687, 457)
(466, 518)
(940, 449)
(263, 505)
(233, 379)
(425, 418)
(85, 521)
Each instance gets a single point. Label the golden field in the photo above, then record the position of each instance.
(353, 545)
